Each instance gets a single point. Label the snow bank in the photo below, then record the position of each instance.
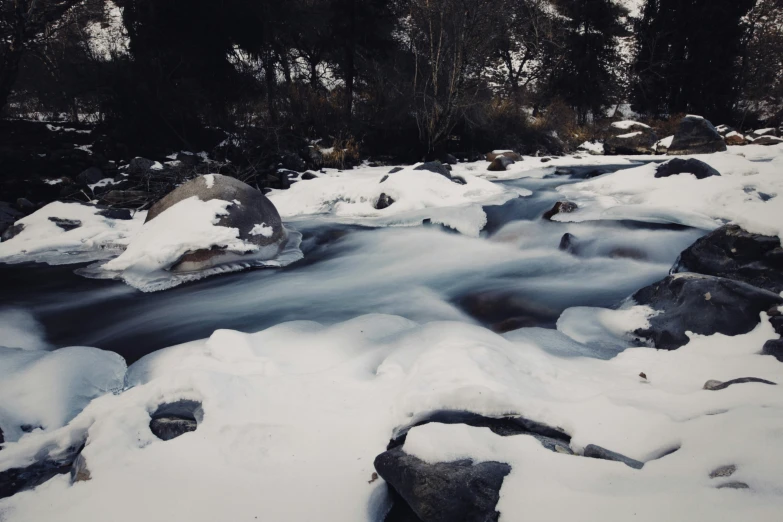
(42, 240)
(300, 410)
(350, 197)
(748, 193)
(40, 389)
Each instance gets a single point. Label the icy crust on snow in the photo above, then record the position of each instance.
(350, 197)
(300, 410)
(45, 390)
(43, 241)
(748, 193)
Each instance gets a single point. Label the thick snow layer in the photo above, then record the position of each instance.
(299, 411)
(43, 389)
(43, 241)
(748, 193)
(350, 197)
(629, 135)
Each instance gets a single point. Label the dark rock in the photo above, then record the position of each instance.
(767, 140)
(434, 166)
(395, 169)
(723, 471)
(597, 452)
(140, 166)
(564, 207)
(733, 485)
(12, 231)
(25, 205)
(546, 160)
(758, 133)
(293, 161)
(635, 138)
(384, 201)
(171, 420)
(384, 178)
(66, 224)
(115, 213)
(459, 180)
(91, 176)
(448, 159)
(701, 304)
(500, 164)
(695, 135)
(679, 166)
(506, 310)
(733, 253)
(308, 175)
(567, 243)
(774, 347)
(446, 491)
(718, 385)
(15, 480)
(253, 209)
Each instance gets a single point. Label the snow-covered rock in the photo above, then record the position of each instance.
(630, 137)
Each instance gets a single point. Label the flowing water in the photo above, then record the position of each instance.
(514, 275)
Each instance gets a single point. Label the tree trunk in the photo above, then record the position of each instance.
(350, 50)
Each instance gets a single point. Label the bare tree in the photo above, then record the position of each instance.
(451, 41)
(21, 21)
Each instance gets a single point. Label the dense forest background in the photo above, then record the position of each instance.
(386, 78)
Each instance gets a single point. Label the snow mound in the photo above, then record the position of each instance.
(41, 389)
(350, 197)
(746, 193)
(300, 410)
(43, 241)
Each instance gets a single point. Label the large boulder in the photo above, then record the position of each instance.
(630, 137)
(171, 420)
(679, 166)
(696, 135)
(444, 491)
(252, 213)
(701, 304)
(490, 156)
(734, 253)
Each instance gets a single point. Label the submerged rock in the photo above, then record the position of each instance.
(701, 304)
(251, 213)
(679, 166)
(696, 135)
(174, 419)
(734, 253)
(444, 491)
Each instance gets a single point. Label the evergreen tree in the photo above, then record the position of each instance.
(688, 56)
(588, 74)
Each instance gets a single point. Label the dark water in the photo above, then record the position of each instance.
(513, 276)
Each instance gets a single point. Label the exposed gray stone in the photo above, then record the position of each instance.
(696, 135)
(723, 471)
(679, 166)
(718, 385)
